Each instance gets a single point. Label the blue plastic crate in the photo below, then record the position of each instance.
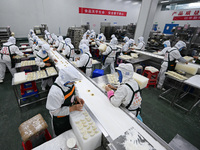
(97, 73)
(28, 93)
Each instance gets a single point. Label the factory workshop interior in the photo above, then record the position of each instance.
(100, 75)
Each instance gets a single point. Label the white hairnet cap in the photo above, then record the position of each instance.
(54, 36)
(68, 74)
(60, 38)
(167, 43)
(84, 48)
(92, 30)
(88, 32)
(40, 43)
(45, 31)
(46, 47)
(31, 31)
(126, 39)
(12, 40)
(131, 41)
(180, 44)
(67, 40)
(141, 39)
(127, 71)
(112, 36)
(114, 41)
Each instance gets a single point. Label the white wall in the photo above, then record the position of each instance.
(164, 17)
(22, 15)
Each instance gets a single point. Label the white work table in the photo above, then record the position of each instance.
(112, 121)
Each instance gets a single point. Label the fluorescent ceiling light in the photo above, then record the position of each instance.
(127, 2)
(119, 0)
(135, 3)
(164, 1)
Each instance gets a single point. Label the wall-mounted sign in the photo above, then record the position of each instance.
(101, 12)
(186, 15)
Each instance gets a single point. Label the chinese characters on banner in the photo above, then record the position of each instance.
(186, 15)
(101, 12)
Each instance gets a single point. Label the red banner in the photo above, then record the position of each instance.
(186, 17)
(101, 12)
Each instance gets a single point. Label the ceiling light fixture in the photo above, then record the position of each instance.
(164, 1)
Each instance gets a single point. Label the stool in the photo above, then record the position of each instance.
(138, 68)
(152, 77)
(97, 73)
(28, 88)
(34, 132)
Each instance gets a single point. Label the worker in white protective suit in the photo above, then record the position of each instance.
(69, 50)
(61, 45)
(6, 57)
(87, 34)
(92, 35)
(38, 47)
(113, 36)
(84, 63)
(110, 55)
(169, 63)
(63, 98)
(43, 61)
(126, 39)
(141, 44)
(54, 39)
(167, 46)
(48, 37)
(128, 92)
(35, 39)
(100, 39)
(31, 40)
(30, 35)
(84, 41)
(127, 45)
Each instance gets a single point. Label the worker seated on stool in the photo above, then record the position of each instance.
(6, 57)
(169, 63)
(43, 61)
(63, 98)
(128, 93)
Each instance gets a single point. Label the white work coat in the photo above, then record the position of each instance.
(55, 99)
(123, 95)
(69, 51)
(140, 46)
(84, 58)
(61, 45)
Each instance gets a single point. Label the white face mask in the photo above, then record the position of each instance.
(69, 85)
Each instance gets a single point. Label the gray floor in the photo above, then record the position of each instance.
(163, 119)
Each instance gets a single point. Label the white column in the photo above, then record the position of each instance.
(145, 20)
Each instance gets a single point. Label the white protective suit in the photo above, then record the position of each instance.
(167, 47)
(38, 47)
(39, 62)
(61, 45)
(30, 35)
(141, 44)
(48, 37)
(5, 59)
(174, 54)
(92, 35)
(127, 45)
(35, 39)
(100, 39)
(54, 40)
(111, 55)
(55, 97)
(87, 34)
(85, 60)
(123, 94)
(84, 41)
(126, 39)
(113, 36)
(69, 50)
(31, 40)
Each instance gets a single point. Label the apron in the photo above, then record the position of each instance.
(5, 52)
(62, 123)
(134, 92)
(197, 61)
(171, 64)
(84, 67)
(45, 60)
